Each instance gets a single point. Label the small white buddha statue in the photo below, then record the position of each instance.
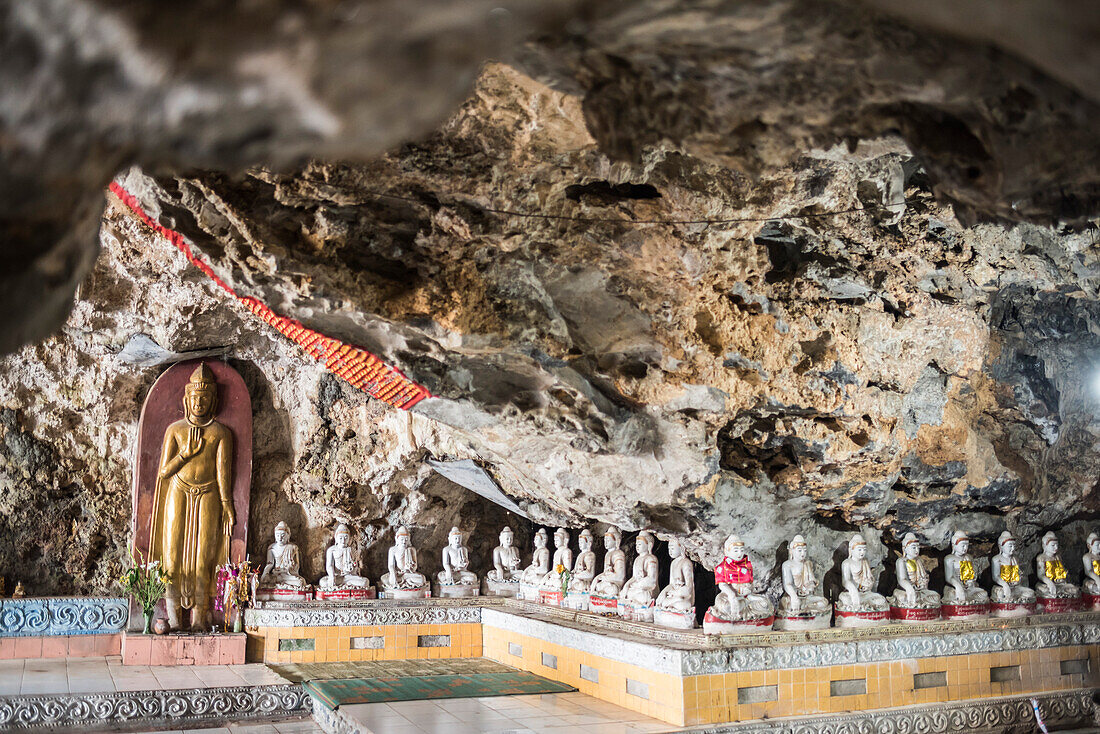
(735, 605)
(562, 562)
(1008, 588)
(1091, 563)
(584, 570)
(540, 560)
(858, 579)
(913, 592)
(675, 606)
(1051, 575)
(959, 573)
(341, 564)
(456, 568)
(800, 605)
(402, 578)
(506, 560)
(641, 589)
(281, 570)
(610, 582)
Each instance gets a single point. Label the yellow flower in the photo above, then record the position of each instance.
(560, 569)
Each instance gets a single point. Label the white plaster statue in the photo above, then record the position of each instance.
(342, 564)
(563, 560)
(584, 570)
(641, 589)
(456, 566)
(540, 560)
(1008, 588)
(281, 570)
(801, 607)
(858, 580)
(959, 573)
(913, 591)
(1051, 575)
(506, 560)
(401, 561)
(1091, 562)
(610, 582)
(735, 606)
(675, 606)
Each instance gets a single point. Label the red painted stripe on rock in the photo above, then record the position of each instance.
(354, 365)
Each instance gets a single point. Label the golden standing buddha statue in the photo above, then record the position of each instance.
(193, 513)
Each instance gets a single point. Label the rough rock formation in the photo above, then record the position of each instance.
(646, 288)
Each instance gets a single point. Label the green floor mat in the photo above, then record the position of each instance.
(333, 693)
(298, 672)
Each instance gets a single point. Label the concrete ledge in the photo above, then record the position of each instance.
(48, 616)
(177, 649)
(172, 709)
(1002, 715)
(61, 646)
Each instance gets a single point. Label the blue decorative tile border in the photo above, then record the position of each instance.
(62, 615)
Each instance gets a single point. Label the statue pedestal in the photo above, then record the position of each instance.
(872, 618)
(674, 620)
(713, 625)
(284, 593)
(803, 620)
(1059, 605)
(913, 615)
(500, 588)
(1090, 602)
(964, 611)
(576, 600)
(452, 591)
(603, 604)
(529, 592)
(183, 649)
(1012, 609)
(551, 598)
(423, 592)
(636, 612)
(345, 593)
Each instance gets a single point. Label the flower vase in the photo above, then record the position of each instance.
(238, 621)
(148, 623)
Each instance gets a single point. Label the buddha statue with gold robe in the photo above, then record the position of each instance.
(193, 514)
(961, 588)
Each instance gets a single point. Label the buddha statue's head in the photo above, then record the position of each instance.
(454, 538)
(910, 546)
(585, 540)
(675, 548)
(506, 537)
(1050, 544)
(644, 543)
(540, 538)
(200, 397)
(799, 548)
(1093, 543)
(857, 548)
(1007, 544)
(960, 543)
(734, 548)
(282, 533)
(612, 538)
(401, 537)
(342, 536)
(561, 538)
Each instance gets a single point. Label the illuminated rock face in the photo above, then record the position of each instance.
(891, 368)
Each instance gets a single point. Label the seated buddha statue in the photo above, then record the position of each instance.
(281, 569)
(584, 569)
(456, 568)
(736, 606)
(1091, 563)
(1052, 579)
(341, 564)
(962, 580)
(1010, 596)
(913, 593)
(801, 606)
(403, 580)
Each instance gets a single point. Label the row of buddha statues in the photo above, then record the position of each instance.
(559, 579)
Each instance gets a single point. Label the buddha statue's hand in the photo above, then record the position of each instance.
(190, 450)
(230, 517)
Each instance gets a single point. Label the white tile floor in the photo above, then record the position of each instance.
(557, 713)
(106, 675)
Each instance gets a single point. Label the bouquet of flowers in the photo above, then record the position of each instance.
(564, 574)
(146, 582)
(234, 590)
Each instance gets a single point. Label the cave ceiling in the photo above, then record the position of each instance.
(766, 267)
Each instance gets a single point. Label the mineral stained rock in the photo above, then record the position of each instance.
(886, 369)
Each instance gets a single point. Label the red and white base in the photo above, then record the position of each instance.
(861, 619)
(914, 615)
(1012, 609)
(713, 625)
(603, 604)
(633, 612)
(964, 611)
(674, 620)
(284, 593)
(1059, 605)
(1090, 602)
(551, 598)
(346, 594)
(787, 621)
